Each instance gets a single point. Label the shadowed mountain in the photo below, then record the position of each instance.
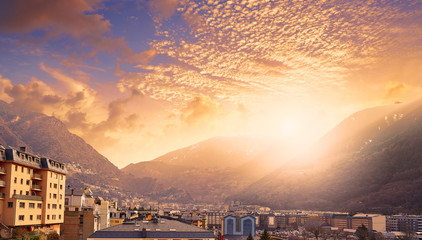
(213, 169)
(372, 161)
(49, 137)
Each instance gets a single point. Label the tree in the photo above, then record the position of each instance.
(362, 232)
(265, 236)
(250, 237)
(53, 235)
(314, 228)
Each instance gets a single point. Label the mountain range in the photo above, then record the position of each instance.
(371, 162)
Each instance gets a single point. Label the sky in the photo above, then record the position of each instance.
(137, 79)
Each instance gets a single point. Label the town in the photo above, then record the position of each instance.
(36, 201)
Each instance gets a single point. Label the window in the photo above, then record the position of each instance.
(14, 192)
(31, 205)
(55, 185)
(61, 186)
(55, 196)
(48, 206)
(39, 205)
(54, 206)
(20, 192)
(53, 217)
(31, 217)
(10, 204)
(22, 205)
(28, 182)
(60, 206)
(50, 195)
(28, 171)
(21, 217)
(22, 169)
(21, 181)
(38, 217)
(16, 180)
(60, 216)
(61, 176)
(51, 185)
(48, 217)
(16, 168)
(27, 193)
(61, 196)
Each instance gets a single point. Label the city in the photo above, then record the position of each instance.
(211, 119)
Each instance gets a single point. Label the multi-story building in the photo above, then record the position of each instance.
(31, 190)
(84, 214)
(399, 223)
(214, 219)
(349, 222)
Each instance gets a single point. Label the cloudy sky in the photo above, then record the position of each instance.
(137, 79)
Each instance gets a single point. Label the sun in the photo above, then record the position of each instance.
(289, 126)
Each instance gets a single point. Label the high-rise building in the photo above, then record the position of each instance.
(32, 190)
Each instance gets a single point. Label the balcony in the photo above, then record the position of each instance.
(27, 197)
(2, 171)
(36, 187)
(2, 195)
(36, 176)
(2, 183)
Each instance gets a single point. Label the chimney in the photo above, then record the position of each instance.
(23, 149)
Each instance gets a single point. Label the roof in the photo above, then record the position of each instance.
(163, 228)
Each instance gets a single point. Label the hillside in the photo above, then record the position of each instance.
(213, 169)
(49, 137)
(372, 161)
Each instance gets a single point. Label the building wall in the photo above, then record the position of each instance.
(115, 221)
(77, 225)
(53, 187)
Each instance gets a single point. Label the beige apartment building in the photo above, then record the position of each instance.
(32, 190)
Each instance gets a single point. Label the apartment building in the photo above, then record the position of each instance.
(399, 223)
(31, 190)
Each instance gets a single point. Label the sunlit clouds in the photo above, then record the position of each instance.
(138, 79)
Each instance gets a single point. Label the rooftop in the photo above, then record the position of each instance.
(163, 228)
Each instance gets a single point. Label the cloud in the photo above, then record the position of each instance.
(76, 18)
(395, 89)
(35, 96)
(200, 111)
(164, 9)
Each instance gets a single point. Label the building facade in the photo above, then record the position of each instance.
(31, 190)
(399, 223)
(239, 226)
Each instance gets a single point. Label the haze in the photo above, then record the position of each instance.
(137, 79)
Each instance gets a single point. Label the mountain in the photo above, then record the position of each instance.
(48, 137)
(213, 169)
(372, 161)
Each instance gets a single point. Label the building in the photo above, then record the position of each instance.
(267, 221)
(83, 214)
(214, 219)
(398, 223)
(153, 229)
(234, 226)
(349, 222)
(32, 190)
